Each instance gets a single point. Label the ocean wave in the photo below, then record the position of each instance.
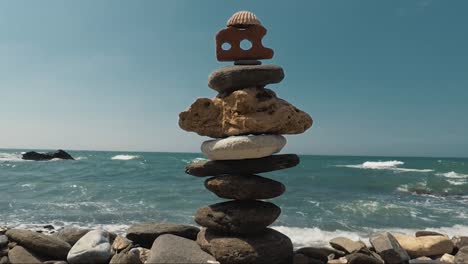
(125, 157)
(384, 165)
(457, 182)
(453, 175)
(193, 160)
(303, 237)
(10, 157)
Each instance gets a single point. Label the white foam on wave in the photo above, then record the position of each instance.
(384, 165)
(303, 237)
(457, 182)
(10, 157)
(194, 160)
(125, 157)
(453, 175)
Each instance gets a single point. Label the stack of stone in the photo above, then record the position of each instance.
(246, 121)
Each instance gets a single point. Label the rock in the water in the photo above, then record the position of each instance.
(241, 217)
(44, 245)
(231, 78)
(94, 247)
(462, 256)
(243, 147)
(359, 258)
(241, 167)
(59, 154)
(144, 234)
(175, 249)
(428, 233)
(127, 257)
(319, 253)
(460, 241)
(425, 245)
(19, 255)
(248, 111)
(347, 245)
(269, 246)
(3, 241)
(386, 245)
(244, 187)
(71, 234)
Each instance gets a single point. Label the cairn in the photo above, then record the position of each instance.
(247, 122)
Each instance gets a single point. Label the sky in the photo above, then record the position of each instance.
(378, 77)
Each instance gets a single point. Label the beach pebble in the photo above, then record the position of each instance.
(71, 234)
(144, 234)
(248, 111)
(231, 78)
(4, 251)
(342, 260)
(359, 258)
(3, 241)
(20, 255)
(321, 253)
(347, 245)
(131, 256)
(94, 247)
(447, 258)
(300, 259)
(425, 245)
(244, 187)
(120, 243)
(175, 249)
(269, 246)
(238, 167)
(462, 256)
(144, 254)
(240, 217)
(243, 147)
(386, 245)
(4, 260)
(44, 245)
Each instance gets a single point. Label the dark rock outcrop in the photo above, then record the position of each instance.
(59, 154)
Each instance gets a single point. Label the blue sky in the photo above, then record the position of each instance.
(378, 77)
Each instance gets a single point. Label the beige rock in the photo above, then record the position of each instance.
(243, 112)
(342, 260)
(425, 245)
(447, 258)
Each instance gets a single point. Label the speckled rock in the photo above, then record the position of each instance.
(270, 246)
(20, 255)
(248, 111)
(94, 247)
(238, 216)
(244, 187)
(243, 147)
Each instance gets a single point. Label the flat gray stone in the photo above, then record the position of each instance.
(269, 246)
(71, 234)
(231, 78)
(320, 253)
(175, 249)
(462, 256)
(20, 255)
(244, 187)
(359, 258)
(38, 243)
(238, 167)
(347, 245)
(386, 245)
(243, 147)
(240, 217)
(92, 248)
(144, 234)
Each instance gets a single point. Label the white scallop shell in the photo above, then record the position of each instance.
(243, 18)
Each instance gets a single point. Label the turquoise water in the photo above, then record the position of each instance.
(326, 195)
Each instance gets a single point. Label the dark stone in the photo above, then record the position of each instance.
(55, 262)
(239, 167)
(426, 261)
(20, 255)
(3, 241)
(386, 245)
(359, 258)
(41, 244)
(300, 259)
(4, 251)
(59, 154)
(144, 234)
(244, 187)
(240, 217)
(269, 246)
(247, 62)
(320, 253)
(427, 233)
(347, 245)
(49, 227)
(71, 234)
(228, 79)
(175, 249)
(462, 256)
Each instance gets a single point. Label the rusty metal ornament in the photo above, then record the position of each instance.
(242, 25)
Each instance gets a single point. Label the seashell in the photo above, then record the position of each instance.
(242, 19)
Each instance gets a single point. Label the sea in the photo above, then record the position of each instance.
(326, 196)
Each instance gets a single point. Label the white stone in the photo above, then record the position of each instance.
(93, 248)
(243, 147)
